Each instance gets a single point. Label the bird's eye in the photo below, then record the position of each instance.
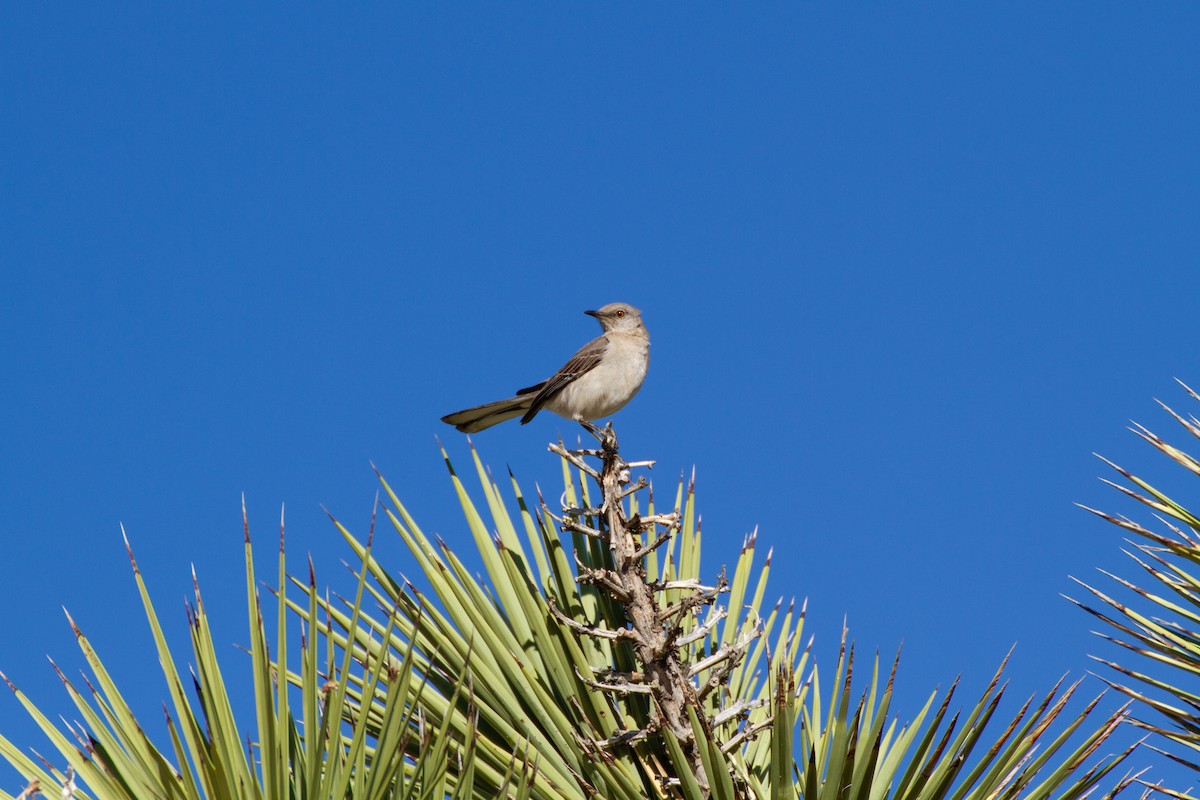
(620, 312)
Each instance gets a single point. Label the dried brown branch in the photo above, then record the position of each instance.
(658, 637)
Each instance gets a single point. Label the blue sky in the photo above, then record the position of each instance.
(904, 269)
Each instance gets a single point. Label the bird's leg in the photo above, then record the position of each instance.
(592, 428)
(606, 435)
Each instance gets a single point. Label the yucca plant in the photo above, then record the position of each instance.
(1160, 627)
(306, 744)
(595, 661)
(553, 648)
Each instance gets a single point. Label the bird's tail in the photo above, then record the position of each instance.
(473, 420)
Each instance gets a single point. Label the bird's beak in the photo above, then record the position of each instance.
(595, 314)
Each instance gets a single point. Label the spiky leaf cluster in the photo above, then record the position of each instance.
(1160, 629)
(494, 687)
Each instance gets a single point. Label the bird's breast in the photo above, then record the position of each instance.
(610, 385)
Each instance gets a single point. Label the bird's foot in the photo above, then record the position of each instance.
(606, 435)
(591, 427)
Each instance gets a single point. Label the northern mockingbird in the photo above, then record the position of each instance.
(598, 380)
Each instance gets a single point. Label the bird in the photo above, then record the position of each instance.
(596, 382)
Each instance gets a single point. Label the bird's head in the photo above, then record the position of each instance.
(618, 317)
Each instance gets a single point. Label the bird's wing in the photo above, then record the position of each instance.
(530, 389)
(586, 359)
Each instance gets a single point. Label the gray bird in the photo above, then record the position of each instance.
(597, 382)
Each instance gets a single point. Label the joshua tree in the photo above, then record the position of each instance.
(595, 662)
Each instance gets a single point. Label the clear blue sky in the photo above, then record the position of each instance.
(904, 269)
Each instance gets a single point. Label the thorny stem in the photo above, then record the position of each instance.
(654, 634)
